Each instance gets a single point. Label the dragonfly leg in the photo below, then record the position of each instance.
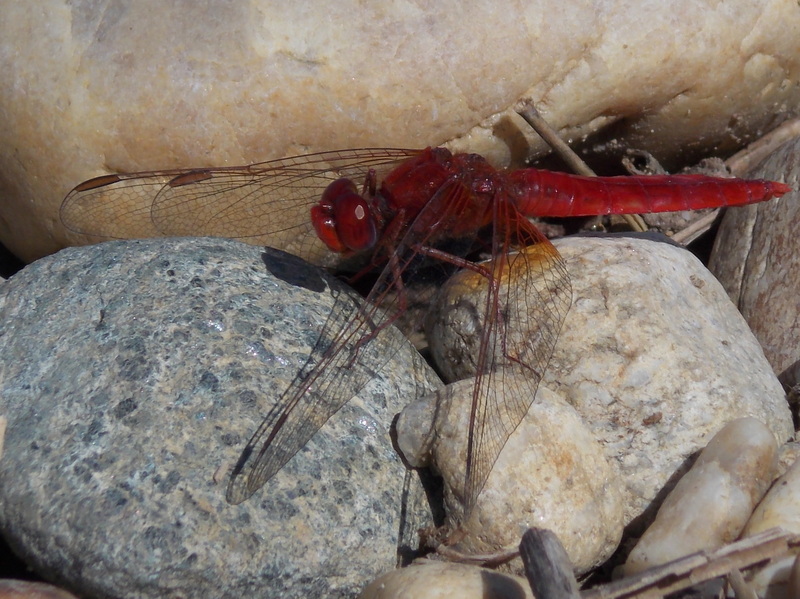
(454, 260)
(370, 184)
(376, 328)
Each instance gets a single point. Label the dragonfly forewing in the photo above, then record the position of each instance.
(266, 203)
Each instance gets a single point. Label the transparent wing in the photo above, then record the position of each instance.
(353, 345)
(362, 342)
(266, 203)
(528, 299)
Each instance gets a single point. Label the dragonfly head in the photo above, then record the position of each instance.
(343, 220)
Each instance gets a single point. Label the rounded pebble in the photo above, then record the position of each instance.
(22, 589)
(552, 473)
(652, 354)
(712, 502)
(780, 506)
(440, 580)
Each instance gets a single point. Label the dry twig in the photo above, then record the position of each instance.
(699, 567)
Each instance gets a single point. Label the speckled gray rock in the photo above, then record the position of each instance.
(132, 374)
(654, 357)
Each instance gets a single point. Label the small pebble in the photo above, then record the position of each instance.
(552, 473)
(712, 502)
(779, 508)
(23, 589)
(442, 580)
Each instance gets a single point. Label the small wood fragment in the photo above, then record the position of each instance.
(548, 134)
(698, 567)
(741, 590)
(751, 156)
(688, 234)
(547, 565)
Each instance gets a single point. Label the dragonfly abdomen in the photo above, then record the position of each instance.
(546, 193)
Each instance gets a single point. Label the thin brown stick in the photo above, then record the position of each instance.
(698, 567)
(744, 160)
(548, 134)
(485, 560)
(688, 234)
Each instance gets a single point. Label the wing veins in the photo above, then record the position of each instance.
(292, 413)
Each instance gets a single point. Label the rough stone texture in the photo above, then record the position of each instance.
(132, 375)
(552, 473)
(437, 580)
(756, 257)
(93, 86)
(788, 454)
(780, 507)
(22, 589)
(655, 359)
(711, 504)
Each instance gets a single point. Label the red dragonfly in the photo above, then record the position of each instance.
(397, 205)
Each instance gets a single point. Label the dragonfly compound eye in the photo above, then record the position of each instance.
(349, 215)
(354, 222)
(342, 218)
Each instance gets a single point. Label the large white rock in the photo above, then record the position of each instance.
(652, 355)
(89, 88)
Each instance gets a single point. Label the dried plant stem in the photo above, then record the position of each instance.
(528, 112)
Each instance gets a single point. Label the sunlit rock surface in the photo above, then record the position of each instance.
(90, 88)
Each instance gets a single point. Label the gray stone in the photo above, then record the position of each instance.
(132, 375)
